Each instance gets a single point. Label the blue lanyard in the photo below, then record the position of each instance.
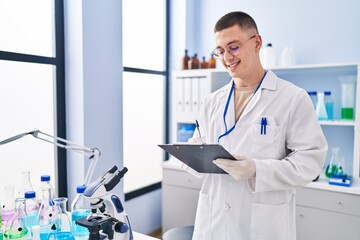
(227, 132)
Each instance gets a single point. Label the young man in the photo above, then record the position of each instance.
(270, 126)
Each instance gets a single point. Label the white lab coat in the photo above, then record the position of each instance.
(290, 155)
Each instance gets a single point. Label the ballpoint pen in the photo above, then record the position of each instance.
(263, 124)
(198, 129)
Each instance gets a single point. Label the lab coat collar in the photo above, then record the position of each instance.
(270, 81)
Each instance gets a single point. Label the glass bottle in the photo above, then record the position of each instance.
(212, 62)
(25, 184)
(194, 62)
(60, 226)
(185, 60)
(8, 205)
(313, 96)
(329, 105)
(32, 208)
(46, 214)
(320, 107)
(45, 184)
(331, 168)
(204, 64)
(18, 227)
(80, 208)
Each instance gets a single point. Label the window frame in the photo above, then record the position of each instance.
(58, 61)
(165, 73)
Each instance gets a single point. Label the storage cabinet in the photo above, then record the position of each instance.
(324, 211)
(322, 214)
(180, 196)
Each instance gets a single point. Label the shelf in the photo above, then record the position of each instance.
(338, 123)
(323, 184)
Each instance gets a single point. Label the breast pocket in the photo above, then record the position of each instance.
(265, 137)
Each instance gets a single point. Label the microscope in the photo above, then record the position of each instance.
(108, 219)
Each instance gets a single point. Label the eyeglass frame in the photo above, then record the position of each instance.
(231, 52)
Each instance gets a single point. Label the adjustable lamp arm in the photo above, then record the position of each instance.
(93, 153)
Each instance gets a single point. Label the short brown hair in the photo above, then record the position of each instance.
(243, 20)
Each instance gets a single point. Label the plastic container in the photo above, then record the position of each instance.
(347, 97)
(80, 208)
(320, 107)
(313, 96)
(32, 208)
(329, 105)
(45, 184)
(185, 131)
(268, 56)
(287, 57)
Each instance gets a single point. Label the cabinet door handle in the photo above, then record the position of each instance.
(301, 215)
(340, 203)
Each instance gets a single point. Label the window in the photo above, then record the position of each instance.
(32, 90)
(145, 83)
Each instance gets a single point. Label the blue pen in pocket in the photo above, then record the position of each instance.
(263, 124)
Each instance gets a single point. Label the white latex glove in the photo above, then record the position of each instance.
(196, 140)
(242, 168)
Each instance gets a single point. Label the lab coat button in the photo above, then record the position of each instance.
(227, 206)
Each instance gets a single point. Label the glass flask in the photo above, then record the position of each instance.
(32, 208)
(46, 213)
(60, 225)
(18, 227)
(80, 208)
(8, 204)
(1, 234)
(331, 169)
(340, 169)
(320, 107)
(25, 184)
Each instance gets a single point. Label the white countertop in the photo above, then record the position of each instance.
(321, 184)
(140, 236)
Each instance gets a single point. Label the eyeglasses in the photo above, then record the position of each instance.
(232, 48)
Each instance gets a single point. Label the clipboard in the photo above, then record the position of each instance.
(199, 156)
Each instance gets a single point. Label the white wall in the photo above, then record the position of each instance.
(322, 31)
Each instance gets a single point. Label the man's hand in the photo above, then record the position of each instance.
(242, 168)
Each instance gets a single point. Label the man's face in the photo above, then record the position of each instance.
(238, 50)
